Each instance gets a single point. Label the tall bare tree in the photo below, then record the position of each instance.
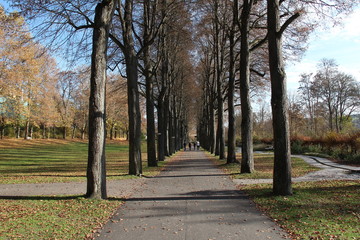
(231, 153)
(247, 160)
(282, 161)
(96, 171)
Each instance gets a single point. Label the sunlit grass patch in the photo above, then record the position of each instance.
(71, 217)
(264, 165)
(317, 210)
(47, 161)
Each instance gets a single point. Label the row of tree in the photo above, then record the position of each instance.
(243, 44)
(26, 75)
(329, 96)
(148, 42)
(325, 102)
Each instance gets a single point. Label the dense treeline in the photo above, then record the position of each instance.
(243, 45)
(40, 101)
(149, 44)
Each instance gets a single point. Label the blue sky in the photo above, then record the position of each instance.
(341, 43)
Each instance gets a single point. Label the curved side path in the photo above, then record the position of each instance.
(190, 200)
(328, 171)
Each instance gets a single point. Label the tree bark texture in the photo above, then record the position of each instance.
(282, 161)
(247, 160)
(166, 126)
(171, 133)
(150, 125)
(211, 126)
(150, 108)
(96, 170)
(219, 57)
(231, 155)
(131, 61)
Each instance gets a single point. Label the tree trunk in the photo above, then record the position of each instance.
(18, 130)
(112, 131)
(150, 108)
(73, 132)
(231, 156)
(161, 130)
(96, 170)
(219, 50)
(178, 129)
(131, 60)
(166, 126)
(217, 140)
(83, 134)
(171, 129)
(221, 131)
(44, 131)
(31, 131)
(150, 115)
(26, 132)
(212, 130)
(247, 160)
(64, 132)
(282, 163)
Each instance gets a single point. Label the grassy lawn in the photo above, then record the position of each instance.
(316, 210)
(40, 161)
(264, 164)
(71, 217)
(56, 217)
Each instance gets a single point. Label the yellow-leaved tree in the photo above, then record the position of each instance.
(27, 74)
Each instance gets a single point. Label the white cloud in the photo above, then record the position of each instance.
(341, 43)
(294, 71)
(351, 25)
(355, 72)
(348, 29)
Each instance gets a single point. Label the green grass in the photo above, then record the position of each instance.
(45, 161)
(72, 217)
(317, 210)
(264, 164)
(57, 217)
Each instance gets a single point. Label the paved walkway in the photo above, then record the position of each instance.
(328, 171)
(193, 200)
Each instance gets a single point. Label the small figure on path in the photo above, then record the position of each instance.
(189, 146)
(184, 146)
(197, 145)
(194, 144)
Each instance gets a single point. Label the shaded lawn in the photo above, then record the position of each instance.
(317, 210)
(39, 161)
(68, 217)
(264, 166)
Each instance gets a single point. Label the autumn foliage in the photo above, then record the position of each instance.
(37, 100)
(342, 147)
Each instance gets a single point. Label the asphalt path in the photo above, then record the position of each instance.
(191, 199)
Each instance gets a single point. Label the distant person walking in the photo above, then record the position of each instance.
(184, 146)
(198, 145)
(189, 146)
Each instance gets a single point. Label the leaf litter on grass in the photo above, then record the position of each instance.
(316, 210)
(53, 217)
